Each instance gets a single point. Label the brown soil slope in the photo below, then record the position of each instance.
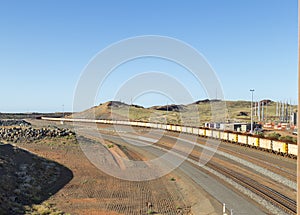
(27, 179)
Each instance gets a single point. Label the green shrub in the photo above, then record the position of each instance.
(260, 134)
(150, 211)
(84, 181)
(274, 136)
(287, 138)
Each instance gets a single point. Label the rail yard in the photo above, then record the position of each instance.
(267, 181)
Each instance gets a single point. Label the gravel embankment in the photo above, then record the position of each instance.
(28, 134)
(14, 122)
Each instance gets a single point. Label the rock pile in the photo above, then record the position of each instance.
(14, 122)
(28, 134)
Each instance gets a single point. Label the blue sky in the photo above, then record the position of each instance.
(45, 45)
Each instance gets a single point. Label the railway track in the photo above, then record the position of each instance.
(286, 204)
(268, 165)
(279, 200)
(291, 174)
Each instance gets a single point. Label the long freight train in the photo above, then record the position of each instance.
(262, 143)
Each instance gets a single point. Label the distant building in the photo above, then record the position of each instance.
(232, 126)
(236, 126)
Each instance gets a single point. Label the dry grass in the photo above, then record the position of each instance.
(43, 209)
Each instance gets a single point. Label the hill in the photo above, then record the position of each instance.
(195, 113)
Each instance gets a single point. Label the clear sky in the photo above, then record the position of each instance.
(45, 45)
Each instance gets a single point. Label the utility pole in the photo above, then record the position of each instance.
(251, 90)
(282, 111)
(290, 112)
(266, 114)
(287, 112)
(167, 112)
(258, 111)
(262, 111)
(63, 109)
(279, 106)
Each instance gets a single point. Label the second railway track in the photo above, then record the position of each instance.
(279, 200)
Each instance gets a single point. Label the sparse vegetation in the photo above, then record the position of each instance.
(288, 139)
(84, 181)
(274, 136)
(260, 134)
(277, 136)
(43, 209)
(150, 211)
(27, 181)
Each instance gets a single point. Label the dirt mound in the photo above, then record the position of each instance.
(27, 179)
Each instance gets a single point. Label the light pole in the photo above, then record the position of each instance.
(167, 112)
(63, 109)
(252, 111)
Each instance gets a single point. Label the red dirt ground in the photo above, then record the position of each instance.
(94, 192)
